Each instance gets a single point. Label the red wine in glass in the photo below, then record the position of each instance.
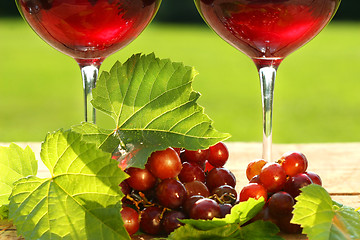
(88, 30)
(267, 31)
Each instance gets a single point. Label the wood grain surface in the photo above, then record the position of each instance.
(338, 164)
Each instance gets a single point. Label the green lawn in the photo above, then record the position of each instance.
(316, 95)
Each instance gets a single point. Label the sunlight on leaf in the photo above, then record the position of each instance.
(324, 219)
(80, 200)
(15, 163)
(154, 106)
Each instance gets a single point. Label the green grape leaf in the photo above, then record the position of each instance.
(15, 163)
(104, 139)
(244, 211)
(188, 232)
(154, 106)
(324, 219)
(259, 230)
(81, 200)
(229, 227)
(240, 214)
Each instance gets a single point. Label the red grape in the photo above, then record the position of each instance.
(178, 150)
(287, 227)
(202, 165)
(226, 193)
(189, 202)
(198, 156)
(294, 163)
(218, 177)
(196, 188)
(140, 179)
(225, 209)
(281, 183)
(191, 172)
(205, 209)
(150, 220)
(273, 177)
(218, 155)
(254, 168)
(164, 164)
(170, 221)
(280, 204)
(125, 188)
(253, 190)
(255, 179)
(262, 215)
(170, 193)
(314, 178)
(293, 184)
(131, 220)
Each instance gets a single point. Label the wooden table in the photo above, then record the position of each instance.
(338, 164)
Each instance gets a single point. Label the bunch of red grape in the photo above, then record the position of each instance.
(177, 184)
(279, 184)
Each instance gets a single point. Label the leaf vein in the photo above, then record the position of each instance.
(156, 79)
(153, 100)
(123, 102)
(140, 85)
(86, 210)
(166, 112)
(166, 131)
(109, 95)
(69, 145)
(196, 126)
(182, 120)
(30, 192)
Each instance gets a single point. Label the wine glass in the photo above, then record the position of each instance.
(88, 30)
(267, 31)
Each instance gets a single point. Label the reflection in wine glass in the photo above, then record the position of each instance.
(267, 31)
(88, 30)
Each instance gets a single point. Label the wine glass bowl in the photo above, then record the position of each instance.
(267, 31)
(267, 28)
(88, 30)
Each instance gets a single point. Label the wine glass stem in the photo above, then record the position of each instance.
(89, 76)
(267, 80)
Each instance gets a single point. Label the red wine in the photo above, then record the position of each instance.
(269, 29)
(88, 29)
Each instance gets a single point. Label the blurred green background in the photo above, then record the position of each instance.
(316, 94)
